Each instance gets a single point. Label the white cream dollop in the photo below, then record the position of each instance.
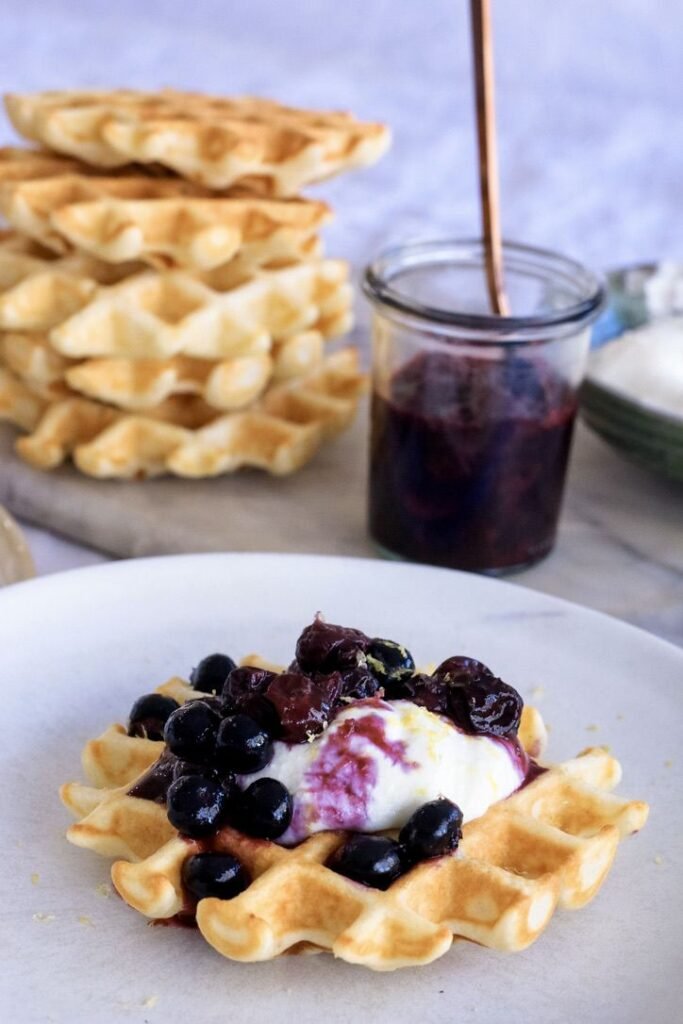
(645, 365)
(379, 761)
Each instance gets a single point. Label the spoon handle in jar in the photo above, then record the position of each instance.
(482, 47)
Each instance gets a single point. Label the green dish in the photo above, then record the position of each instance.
(661, 458)
(646, 436)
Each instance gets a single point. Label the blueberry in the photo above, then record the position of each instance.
(429, 692)
(470, 695)
(196, 805)
(303, 705)
(460, 669)
(487, 706)
(243, 692)
(324, 647)
(478, 701)
(214, 874)
(373, 860)
(149, 715)
(434, 829)
(181, 769)
(266, 809)
(190, 731)
(243, 683)
(211, 700)
(391, 662)
(243, 745)
(210, 674)
(403, 689)
(359, 683)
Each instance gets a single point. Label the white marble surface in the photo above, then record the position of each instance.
(590, 129)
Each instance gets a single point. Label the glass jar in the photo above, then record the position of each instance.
(472, 414)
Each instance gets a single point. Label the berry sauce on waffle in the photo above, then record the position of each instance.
(349, 738)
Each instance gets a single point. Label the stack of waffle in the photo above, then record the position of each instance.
(164, 301)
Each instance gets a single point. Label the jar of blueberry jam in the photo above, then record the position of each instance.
(472, 414)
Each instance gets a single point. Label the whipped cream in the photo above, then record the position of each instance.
(379, 761)
(645, 365)
(664, 290)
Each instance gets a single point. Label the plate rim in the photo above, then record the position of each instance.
(122, 566)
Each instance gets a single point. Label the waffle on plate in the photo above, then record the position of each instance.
(368, 854)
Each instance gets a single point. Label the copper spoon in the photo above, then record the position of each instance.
(482, 47)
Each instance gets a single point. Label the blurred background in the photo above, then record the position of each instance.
(589, 99)
(590, 118)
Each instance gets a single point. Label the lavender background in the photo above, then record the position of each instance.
(590, 109)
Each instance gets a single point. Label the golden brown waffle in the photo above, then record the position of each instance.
(31, 358)
(279, 433)
(283, 431)
(30, 204)
(551, 843)
(218, 142)
(139, 385)
(27, 164)
(165, 222)
(94, 308)
(39, 290)
(19, 404)
(156, 316)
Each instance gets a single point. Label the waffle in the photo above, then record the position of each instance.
(31, 358)
(19, 404)
(27, 164)
(284, 431)
(217, 142)
(279, 433)
(139, 385)
(39, 290)
(162, 222)
(94, 308)
(136, 385)
(156, 316)
(551, 843)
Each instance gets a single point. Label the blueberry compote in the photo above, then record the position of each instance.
(153, 785)
(213, 744)
(468, 460)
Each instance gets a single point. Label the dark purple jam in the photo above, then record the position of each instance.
(153, 785)
(527, 766)
(468, 460)
(533, 772)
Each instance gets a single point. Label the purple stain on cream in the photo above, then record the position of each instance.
(337, 789)
(527, 766)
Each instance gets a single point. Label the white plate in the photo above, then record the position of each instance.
(77, 649)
